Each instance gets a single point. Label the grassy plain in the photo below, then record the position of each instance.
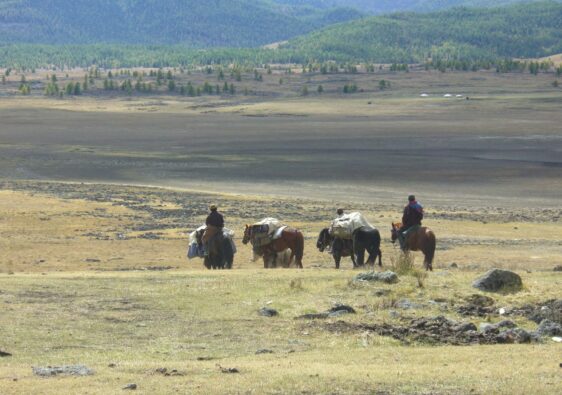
(93, 266)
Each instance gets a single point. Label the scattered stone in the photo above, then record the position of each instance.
(112, 365)
(437, 330)
(387, 277)
(72, 370)
(558, 268)
(549, 328)
(5, 354)
(407, 305)
(131, 386)
(267, 312)
(465, 327)
(557, 340)
(264, 351)
(168, 373)
(453, 266)
(498, 280)
(514, 335)
(205, 358)
(340, 309)
(382, 292)
(92, 260)
(228, 370)
(550, 309)
(313, 316)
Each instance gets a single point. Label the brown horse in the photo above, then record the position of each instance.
(422, 239)
(291, 238)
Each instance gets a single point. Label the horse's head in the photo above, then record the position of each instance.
(394, 231)
(324, 239)
(247, 234)
(199, 236)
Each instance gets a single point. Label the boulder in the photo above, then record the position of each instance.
(498, 280)
(72, 370)
(387, 277)
(549, 328)
(558, 268)
(267, 312)
(514, 335)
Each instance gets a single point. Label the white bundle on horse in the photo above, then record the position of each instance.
(268, 225)
(344, 226)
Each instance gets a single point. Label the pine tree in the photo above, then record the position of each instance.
(171, 85)
(3, 80)
(320, 89)
(232, 89)
(77, 89)
(69, 90)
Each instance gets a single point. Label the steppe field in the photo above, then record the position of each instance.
(99, 192)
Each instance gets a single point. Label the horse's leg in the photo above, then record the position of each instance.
(380, 257)
(353, 259)
(358, 250)
(337, 259)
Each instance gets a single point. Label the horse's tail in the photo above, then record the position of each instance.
(430, 249)
(299, 246)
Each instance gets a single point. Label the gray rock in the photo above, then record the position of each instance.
(72, 370)
(484, 327)
(558, 268)
(5, 354)
(549, 328)
(382, 292)
(465, 327)
(505, 324)
(453, 266)
(267, 312)
(340, 309)
(131, 386)
(313, 316)
(498, 280)
(514, 335)
(264, 351)
(387, 277)
(407, 305)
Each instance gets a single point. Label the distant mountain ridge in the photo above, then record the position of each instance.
(390, 6)
(195, 23)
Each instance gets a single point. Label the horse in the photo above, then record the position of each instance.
(364, 238)
(340, 247)
(290, 238)
(220, 254)
(421, 239)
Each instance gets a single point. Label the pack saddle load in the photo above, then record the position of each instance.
(265, 231)
(344, 226)
(196, 250)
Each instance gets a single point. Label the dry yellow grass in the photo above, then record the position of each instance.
(141, 321)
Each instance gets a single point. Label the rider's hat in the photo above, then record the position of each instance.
(213, 207)
(339, 211)
(411, 198)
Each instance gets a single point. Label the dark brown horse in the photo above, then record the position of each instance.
(220, 255)
(421, 239)
(290, 238)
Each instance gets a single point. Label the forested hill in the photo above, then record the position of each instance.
(524, 30)
(194, 23)
(391, 6)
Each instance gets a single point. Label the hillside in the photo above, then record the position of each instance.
(225, 23)
(390, 6)
(526, 31)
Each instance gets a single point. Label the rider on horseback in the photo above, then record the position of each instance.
(413, 215)
(215, 225)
